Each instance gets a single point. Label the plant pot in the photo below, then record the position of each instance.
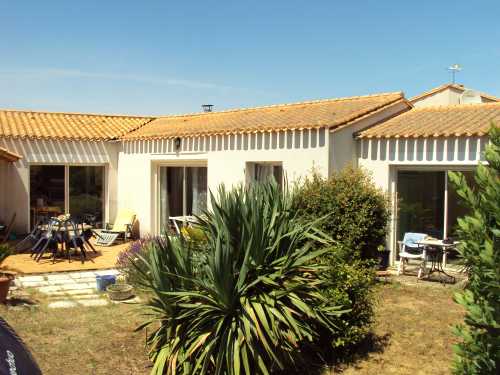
(5, 281)
(119, 292)
(383, 259)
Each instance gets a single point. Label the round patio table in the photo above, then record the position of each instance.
(64, 228)
(435, 252)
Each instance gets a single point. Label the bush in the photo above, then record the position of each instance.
(350, 284)
(479, 234)
(254, 307)
(356, 212)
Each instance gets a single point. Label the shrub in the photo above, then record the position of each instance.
(130, 255)
(356, 212)
(350, 284)
(5, 251)
(479, 234)
(254, 307)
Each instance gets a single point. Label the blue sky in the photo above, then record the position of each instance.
(162, 57)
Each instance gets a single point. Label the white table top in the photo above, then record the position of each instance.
(432, 242)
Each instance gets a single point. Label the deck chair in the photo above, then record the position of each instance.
(409, 248)
(178, 222)
(122, 227)
(5, 236)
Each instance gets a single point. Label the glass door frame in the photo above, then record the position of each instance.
(66, 185)
(156, 202)
(394, 189)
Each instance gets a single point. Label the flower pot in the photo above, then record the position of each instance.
(119, 292)
(5, 281)
(383, 258)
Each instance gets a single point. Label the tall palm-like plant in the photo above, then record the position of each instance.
(254, 306)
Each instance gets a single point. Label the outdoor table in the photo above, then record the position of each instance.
(62, 228)
(436, 251)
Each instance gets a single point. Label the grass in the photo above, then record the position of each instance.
(412, 335)
(82, 340)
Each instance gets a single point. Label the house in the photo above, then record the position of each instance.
(165, 166)
(409, 157)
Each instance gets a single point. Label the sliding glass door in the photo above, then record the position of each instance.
(428, 203)
(59, 189)
(183, 192)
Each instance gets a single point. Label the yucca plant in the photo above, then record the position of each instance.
(254, 307)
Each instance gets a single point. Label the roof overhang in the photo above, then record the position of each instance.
(9, 156)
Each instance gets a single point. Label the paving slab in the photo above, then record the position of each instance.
(94, 302)
(31, 278)
(49, 289)
(107, 272)
(79, 275)
(53, 277)
(34, 284)
(64, 304)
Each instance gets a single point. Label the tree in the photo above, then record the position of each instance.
(478, 352)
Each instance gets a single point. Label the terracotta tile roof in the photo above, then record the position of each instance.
(313, 114)
(455, 86)
(8, 155)
(46, 125)
(441, 121)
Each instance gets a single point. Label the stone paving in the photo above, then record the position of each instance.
(69, 289)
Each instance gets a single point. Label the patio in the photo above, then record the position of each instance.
(105, 258)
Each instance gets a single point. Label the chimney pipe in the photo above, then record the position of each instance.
(207, 107)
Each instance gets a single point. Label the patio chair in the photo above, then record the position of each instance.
(75, 239)
(5, 236)
(122, 227)
(33, 236)
(410, 249)
(48, 240)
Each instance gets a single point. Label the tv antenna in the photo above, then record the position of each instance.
(454, 69)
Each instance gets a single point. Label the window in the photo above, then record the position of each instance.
(183, 192)
(262, 172)
(59, 189)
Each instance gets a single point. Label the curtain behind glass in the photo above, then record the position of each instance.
(196, 190)
(86, 193)
(421, 203)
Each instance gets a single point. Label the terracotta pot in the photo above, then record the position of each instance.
(4, 287)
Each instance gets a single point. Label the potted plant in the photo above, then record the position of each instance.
(5, 280)
(5, 277)
(383, 258)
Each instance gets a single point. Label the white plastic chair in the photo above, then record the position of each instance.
(409, 248)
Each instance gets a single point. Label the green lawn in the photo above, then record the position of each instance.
(412, 336)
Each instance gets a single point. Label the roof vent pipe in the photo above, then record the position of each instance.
(207, 107)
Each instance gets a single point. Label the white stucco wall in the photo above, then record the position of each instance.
(449, 96)
(55, 152)
(343, 149)
(226, 158)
